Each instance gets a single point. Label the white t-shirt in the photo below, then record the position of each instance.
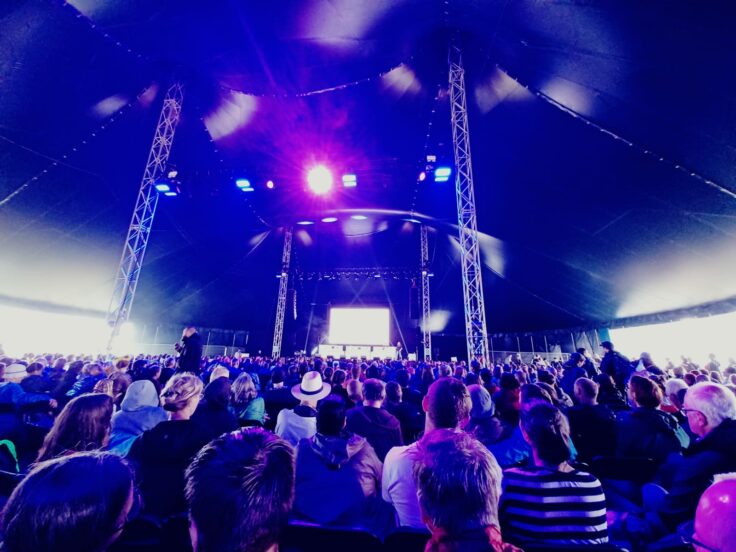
(292, 427)
(398, 486)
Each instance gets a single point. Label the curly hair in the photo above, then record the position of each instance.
(180, 390)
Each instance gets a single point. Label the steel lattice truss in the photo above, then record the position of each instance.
(426, 334)
(278, 332)
(139, 230)
(361, 273)
(475, 314)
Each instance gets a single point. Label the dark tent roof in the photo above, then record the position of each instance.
(603, 136)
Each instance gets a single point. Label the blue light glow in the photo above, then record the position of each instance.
(162, 187)
(329, 219)
(242, 183)
(305, 222)
(359, 217)
(170, 194)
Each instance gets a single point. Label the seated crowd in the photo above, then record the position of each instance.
(503, 457)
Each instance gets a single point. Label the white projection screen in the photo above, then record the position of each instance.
(359, 326)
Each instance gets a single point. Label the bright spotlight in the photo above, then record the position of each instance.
(247, 190)
(243, 183)
(305, 222)
(349, 180)
(319, 179)
(359, 217)
(162, 187)
(422, 176)
(270, 185)
(329, 219)
(442, 174)
(413, 220)
(170, 194)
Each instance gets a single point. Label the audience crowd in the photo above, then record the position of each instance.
(508, 456)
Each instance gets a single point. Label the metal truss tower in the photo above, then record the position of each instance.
(426, 334)
(139, 230)
(278, 332)
(475, 314)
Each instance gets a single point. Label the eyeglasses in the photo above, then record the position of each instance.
(688, 537)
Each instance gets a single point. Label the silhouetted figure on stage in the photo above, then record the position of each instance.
(400, 352)
(190, 350)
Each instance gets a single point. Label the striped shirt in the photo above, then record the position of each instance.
(539, 505)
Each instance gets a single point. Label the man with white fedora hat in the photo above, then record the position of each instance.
(301, 422)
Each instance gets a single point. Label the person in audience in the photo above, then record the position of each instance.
(647, 431)
(378, 426)
(15, 403)
(240, 490)
(82, 425)
(213, 412)
(338, 384)
(88, 378)
(139, 411)
(572, 370)
(301, 422)
(588, 366)
(249, 407)
(190, 350)
(67, 382)
(482, 423)
(35, 381)
(609, 395)
(615, 365)
(338, 475)
(458, 485)
(355, 393)
(551, 503)
(672, 403)
(715, 518)
(447, 406)
(507, 400)
(592, 425)
(409, 416)
(79, 502)
(277, 398)
(161, 454)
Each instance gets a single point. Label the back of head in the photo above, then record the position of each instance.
(607, 345)
(447, 403)
(180, 390)
(75, 502)
(140, 394)
(331, 416)
(509, 382)
(548, 432)
(244, 389)
(82, 425)
(458, 482)
(240, 489)
(585, 389)
(338, 378)
(393, 392)
(403, 377)
(715, 515)
(645, 392)
(673, 386)
(374, 390)
(482, 405)
(218, 393)
(355, 390)
(531, 392)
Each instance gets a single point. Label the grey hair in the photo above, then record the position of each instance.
(715, 401)
(458, 481)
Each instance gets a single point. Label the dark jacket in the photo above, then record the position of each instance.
(487, 429)
(593, 430)
(687, 477)
(277, 400)
(338, 481)
(36, 384)
(569, 377)
(618, 367)
(382, 430)
(84, 384)
(410, 418)
(191, 354)
(160, 457)
(649, 433)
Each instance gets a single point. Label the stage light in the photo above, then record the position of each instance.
(422, 176)
(349, 180)
(359, 217)
(424, 272)
(162, 187)
(270, 185)
(243, 183)
(305, 222)
(247, 190)
(413, 220)
(319, 179)
(329, 219)
(173, 173)
(442, 174)
(170, 194)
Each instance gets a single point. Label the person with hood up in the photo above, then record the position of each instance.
(482, 423)
(338, 475)
(213, 413)
(139, 412)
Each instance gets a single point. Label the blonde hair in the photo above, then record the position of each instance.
(180, 390)
(244, 389)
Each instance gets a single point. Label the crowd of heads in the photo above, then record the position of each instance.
(252, 435)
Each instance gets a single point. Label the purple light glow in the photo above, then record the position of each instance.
(319, 179)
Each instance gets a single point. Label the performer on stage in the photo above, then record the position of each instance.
(190, 350)
(400, 352)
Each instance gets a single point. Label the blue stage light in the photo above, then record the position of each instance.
(305, 222)
(162, 187)
(329, 219)
(359, 217)
(442, 174)
(170, 194)
(349, 180)
(247, 190)
(270, 185)
(243, 183)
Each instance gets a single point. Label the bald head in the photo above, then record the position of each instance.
(715, 518)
